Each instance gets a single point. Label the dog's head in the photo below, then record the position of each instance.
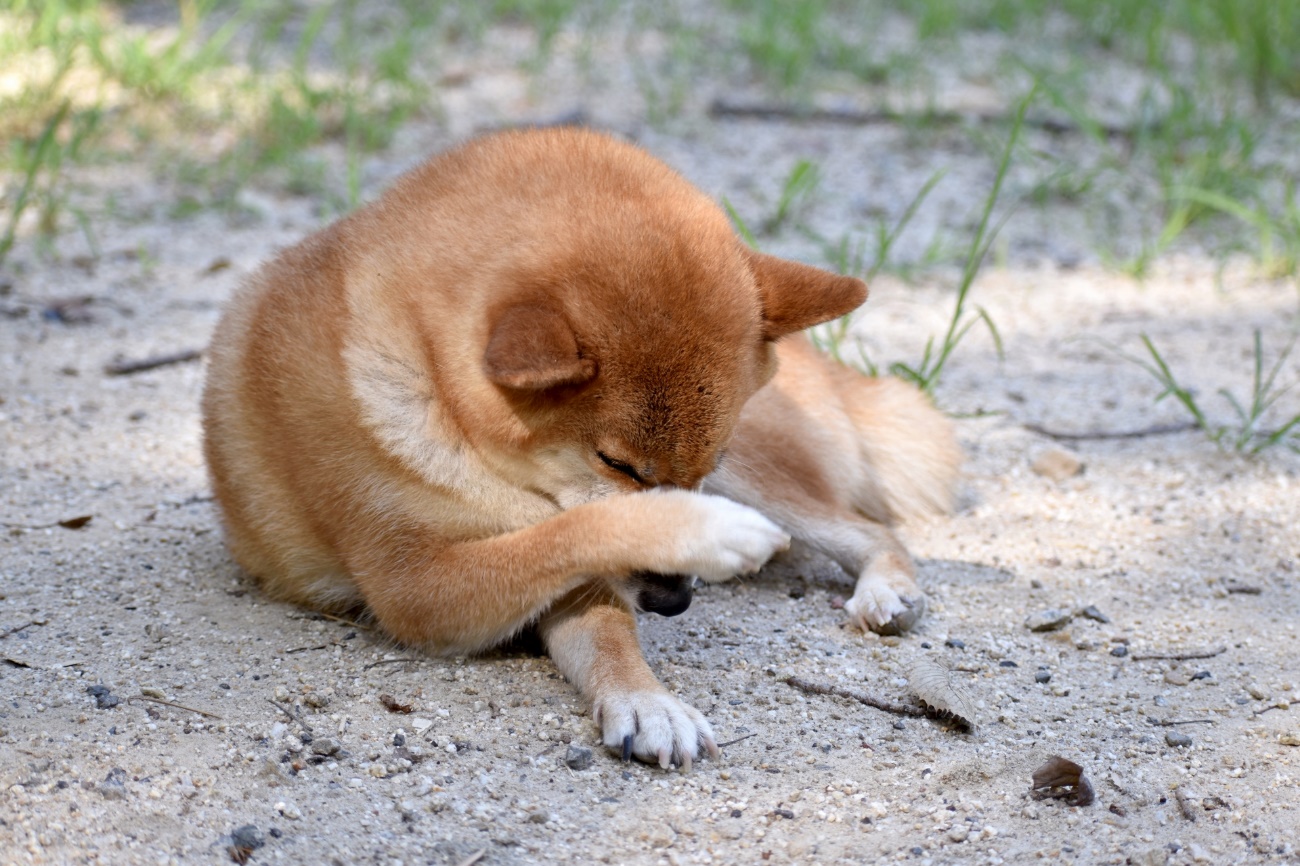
(634, 325)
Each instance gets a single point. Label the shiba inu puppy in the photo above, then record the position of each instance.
(541, 382)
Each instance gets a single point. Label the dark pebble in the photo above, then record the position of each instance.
(1091, 612)
(104, 699)
(1160, 701)
(1043, 677)
(247, 836)
(276, 833)
(1202, 675)
(954, 643)
(1178, 738)
(784, 813)
(797, 592)
(900, 725)
(1119, 652)
(1007, 663)
(736, 813)
(925, 644)
(918, 851)
(578, 757)
(399, 739)
(223, 686)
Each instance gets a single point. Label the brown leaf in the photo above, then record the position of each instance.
(76, 522)
(934, 686)
(1064, 778)
(393, 705)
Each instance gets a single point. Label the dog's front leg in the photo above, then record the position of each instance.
(591, 636)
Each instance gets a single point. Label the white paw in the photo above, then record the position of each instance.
(655, 727)
(878, 605)
(722, 538)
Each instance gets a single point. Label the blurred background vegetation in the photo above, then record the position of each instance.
(1191, 103)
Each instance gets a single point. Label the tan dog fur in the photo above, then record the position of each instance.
(491, 397)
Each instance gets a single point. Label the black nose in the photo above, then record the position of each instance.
(664, 594)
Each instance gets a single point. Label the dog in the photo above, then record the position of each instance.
(541, 382)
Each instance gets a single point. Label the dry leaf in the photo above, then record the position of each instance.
(1063, 778)
(393, 705)
(935, 687)
(76, 522)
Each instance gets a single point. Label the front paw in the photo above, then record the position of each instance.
(717, 538)
(655, 727)
(887, 605)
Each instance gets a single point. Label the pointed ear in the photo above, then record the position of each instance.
(532, 348)
(797, 296)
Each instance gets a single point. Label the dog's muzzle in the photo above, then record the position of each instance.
(664, 594)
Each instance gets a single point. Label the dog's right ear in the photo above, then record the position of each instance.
(532, 348)
(797, 296)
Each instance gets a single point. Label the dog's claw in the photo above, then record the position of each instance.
(714, 752)
(665, 758)
(627, 748)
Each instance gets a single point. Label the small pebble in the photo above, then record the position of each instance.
(1289, 738)
(325, 746)
(1007, 663)
(1177, 677)
(541, 816)
(1091, 612)
(1119, 652)
(1202, 675)
(1048, 620)
(1257, 692)
(955, 643)
(1043, 677)
(1178, 738)
(247, 836)
(104, 699)
(1057, 464)
(578, 757)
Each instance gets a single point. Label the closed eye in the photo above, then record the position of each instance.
(620, 466)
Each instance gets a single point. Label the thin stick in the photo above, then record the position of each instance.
(333, 618)
(737, 740)
(387, 662)
(820, 689)
(1185, 803)
(292, 715)
(19, 628)
(1170, 723)
(1183, 656)
(172, 704)
(473, 858)
(849, 117)
(1157, 430)
(123, 367)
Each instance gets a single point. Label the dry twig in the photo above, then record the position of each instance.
(1182, 656)
(172, 704)
(1158, 430)
(124, 367)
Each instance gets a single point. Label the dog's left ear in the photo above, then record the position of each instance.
(797, 296)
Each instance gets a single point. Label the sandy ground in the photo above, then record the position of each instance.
(1179, 548)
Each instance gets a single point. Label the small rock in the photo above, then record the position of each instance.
(955, 643)
(1057, 464)
(289, 810)
(1289, 738)
(1091, 612)
(1048, 620)
(104, 699)
(326, 746)
(1119, 652)
(578, 757)
(114, 785)
(541, 816)
(153, 693)
(1177, 739)
(1043, 677)
(1202, 675)
(247, 836)
(1257, 692)
(399, 739)
(959, 832)
(1177, 677)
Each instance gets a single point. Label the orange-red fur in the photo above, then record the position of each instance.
(492, 396)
